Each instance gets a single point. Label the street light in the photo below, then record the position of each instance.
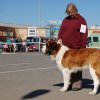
(39, 14)
(39, 23)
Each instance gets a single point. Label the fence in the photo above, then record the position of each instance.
(24, 46)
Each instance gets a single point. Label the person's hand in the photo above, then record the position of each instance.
(59, 41)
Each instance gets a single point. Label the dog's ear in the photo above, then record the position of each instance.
(51, 46)
(54, 45)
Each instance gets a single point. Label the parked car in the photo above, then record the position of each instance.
(32, 47)
(1, 47)
(32, 43)
(35, 43)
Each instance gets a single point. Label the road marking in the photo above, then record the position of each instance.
(16, 64)
(7, 53)
(26, 70)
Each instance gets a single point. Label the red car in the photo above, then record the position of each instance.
(32, 47)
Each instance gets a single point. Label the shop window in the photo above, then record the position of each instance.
(95, 39)
(89, 39)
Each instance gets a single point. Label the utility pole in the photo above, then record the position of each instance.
(39, 25)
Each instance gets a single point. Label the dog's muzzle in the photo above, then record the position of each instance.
(45, 50)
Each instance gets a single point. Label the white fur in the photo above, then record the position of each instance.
(95, 81)
(66, 77)
(59, 56)
(67, 72)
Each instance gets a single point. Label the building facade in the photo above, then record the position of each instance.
(12, 30)
(94, 37)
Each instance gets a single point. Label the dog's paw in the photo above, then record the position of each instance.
(92, 93)
(63, 90)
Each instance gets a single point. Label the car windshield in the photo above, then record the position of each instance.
(32, 39)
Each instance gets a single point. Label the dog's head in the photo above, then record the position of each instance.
(51, 47)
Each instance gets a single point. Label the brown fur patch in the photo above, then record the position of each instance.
(77, 57)
(82, 57)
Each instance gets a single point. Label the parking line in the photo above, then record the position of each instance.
(16, 64)
(26, 70)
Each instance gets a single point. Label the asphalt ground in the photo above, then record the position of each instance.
(33, 76)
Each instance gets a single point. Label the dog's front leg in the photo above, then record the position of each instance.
(66, 78)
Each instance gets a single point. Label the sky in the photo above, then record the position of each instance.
(40, 12)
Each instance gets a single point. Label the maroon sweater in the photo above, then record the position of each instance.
(70, 32)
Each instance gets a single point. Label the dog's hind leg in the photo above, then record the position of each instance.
(66, 78)
(95, 81)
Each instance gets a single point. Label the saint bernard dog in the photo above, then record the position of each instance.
(72, 60)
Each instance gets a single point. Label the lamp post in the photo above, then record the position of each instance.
(39, 14)
(39, 24)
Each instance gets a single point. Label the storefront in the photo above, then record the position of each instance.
(12, 30)
(94, 37)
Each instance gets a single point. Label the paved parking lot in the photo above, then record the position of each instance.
(33, 76)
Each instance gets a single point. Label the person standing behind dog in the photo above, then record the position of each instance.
(73, 34)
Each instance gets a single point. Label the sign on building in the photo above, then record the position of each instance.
(31, 31)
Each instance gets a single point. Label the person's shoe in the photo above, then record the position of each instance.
(77, 85)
